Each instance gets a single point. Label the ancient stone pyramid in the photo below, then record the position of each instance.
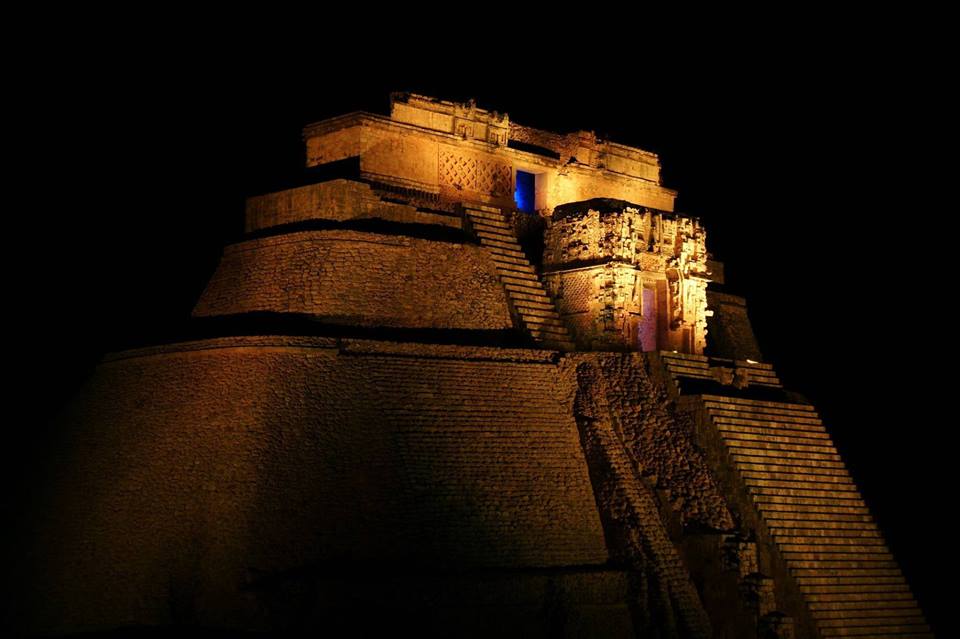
(469, 378)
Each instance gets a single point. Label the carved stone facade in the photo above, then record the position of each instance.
(628, 277)
(461, 152)
(462, 174)
(389, 421)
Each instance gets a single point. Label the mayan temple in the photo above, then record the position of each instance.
(464, 378)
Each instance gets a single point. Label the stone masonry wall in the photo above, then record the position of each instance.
(359, 278)
(632, 521)
(337, 200)
(660, 440)
(191, 474)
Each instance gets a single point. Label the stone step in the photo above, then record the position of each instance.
(821, 589)
(491, 225)
(698, 374)
(763, 420)
(770, 498)
(786, 477)
(500, 259)
(506, 252)
(681, 373)
(826, 522)
(501, 244)
(780, 442)
(531, 305)
(758, 367)
(794, 535)
(684, 357)
(773, 422)
(778, 452)
(808, 484)
(870, 616)
(846, 567)
(545, 324)
(758, 407)
(847, 580)
(526, 311)
(524, 288)
(838, 597)
(853, 559)
(893, 632)
(846, 572)
(836, 531)
(537, 298)
(524, 279)
(766, 369)
(774, 468)
(486, 237)
(763, 377)
(828, 493)
(506, 267)
(899, 604)
(773, 509)
(675, 368)
(768, 420)
(803, 434)
(841, 545)
(485, 212)
(486, 223)
(756, 404)
(798, 464)
(676, 362)
(500, 241)
(802, 482)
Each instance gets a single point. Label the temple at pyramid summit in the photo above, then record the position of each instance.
(464, 377)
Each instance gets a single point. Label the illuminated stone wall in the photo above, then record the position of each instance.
(360, 279)
(199, 482)
(336, 200)
(628, 277)
(359, 487)
(464, 154)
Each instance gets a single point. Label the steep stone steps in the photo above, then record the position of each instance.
(790, 470)
(519, 279)
(701, 367)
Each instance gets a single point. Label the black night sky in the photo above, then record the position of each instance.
(805, 166)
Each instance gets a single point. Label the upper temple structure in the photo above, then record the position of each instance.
(466, 378)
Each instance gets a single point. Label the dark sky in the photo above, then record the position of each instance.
(805, 164)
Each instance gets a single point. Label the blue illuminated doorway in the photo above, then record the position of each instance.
(525, 195)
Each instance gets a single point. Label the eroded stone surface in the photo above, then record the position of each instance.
(357, 278)
(455, 476)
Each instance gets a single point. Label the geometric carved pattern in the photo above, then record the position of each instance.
(473, 174)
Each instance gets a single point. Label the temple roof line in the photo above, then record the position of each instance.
(490, 131)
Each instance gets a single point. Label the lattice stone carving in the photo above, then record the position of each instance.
(466, 173)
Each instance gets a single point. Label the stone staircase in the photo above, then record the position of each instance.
(786, 463)
(527, 295)
(685, 365)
